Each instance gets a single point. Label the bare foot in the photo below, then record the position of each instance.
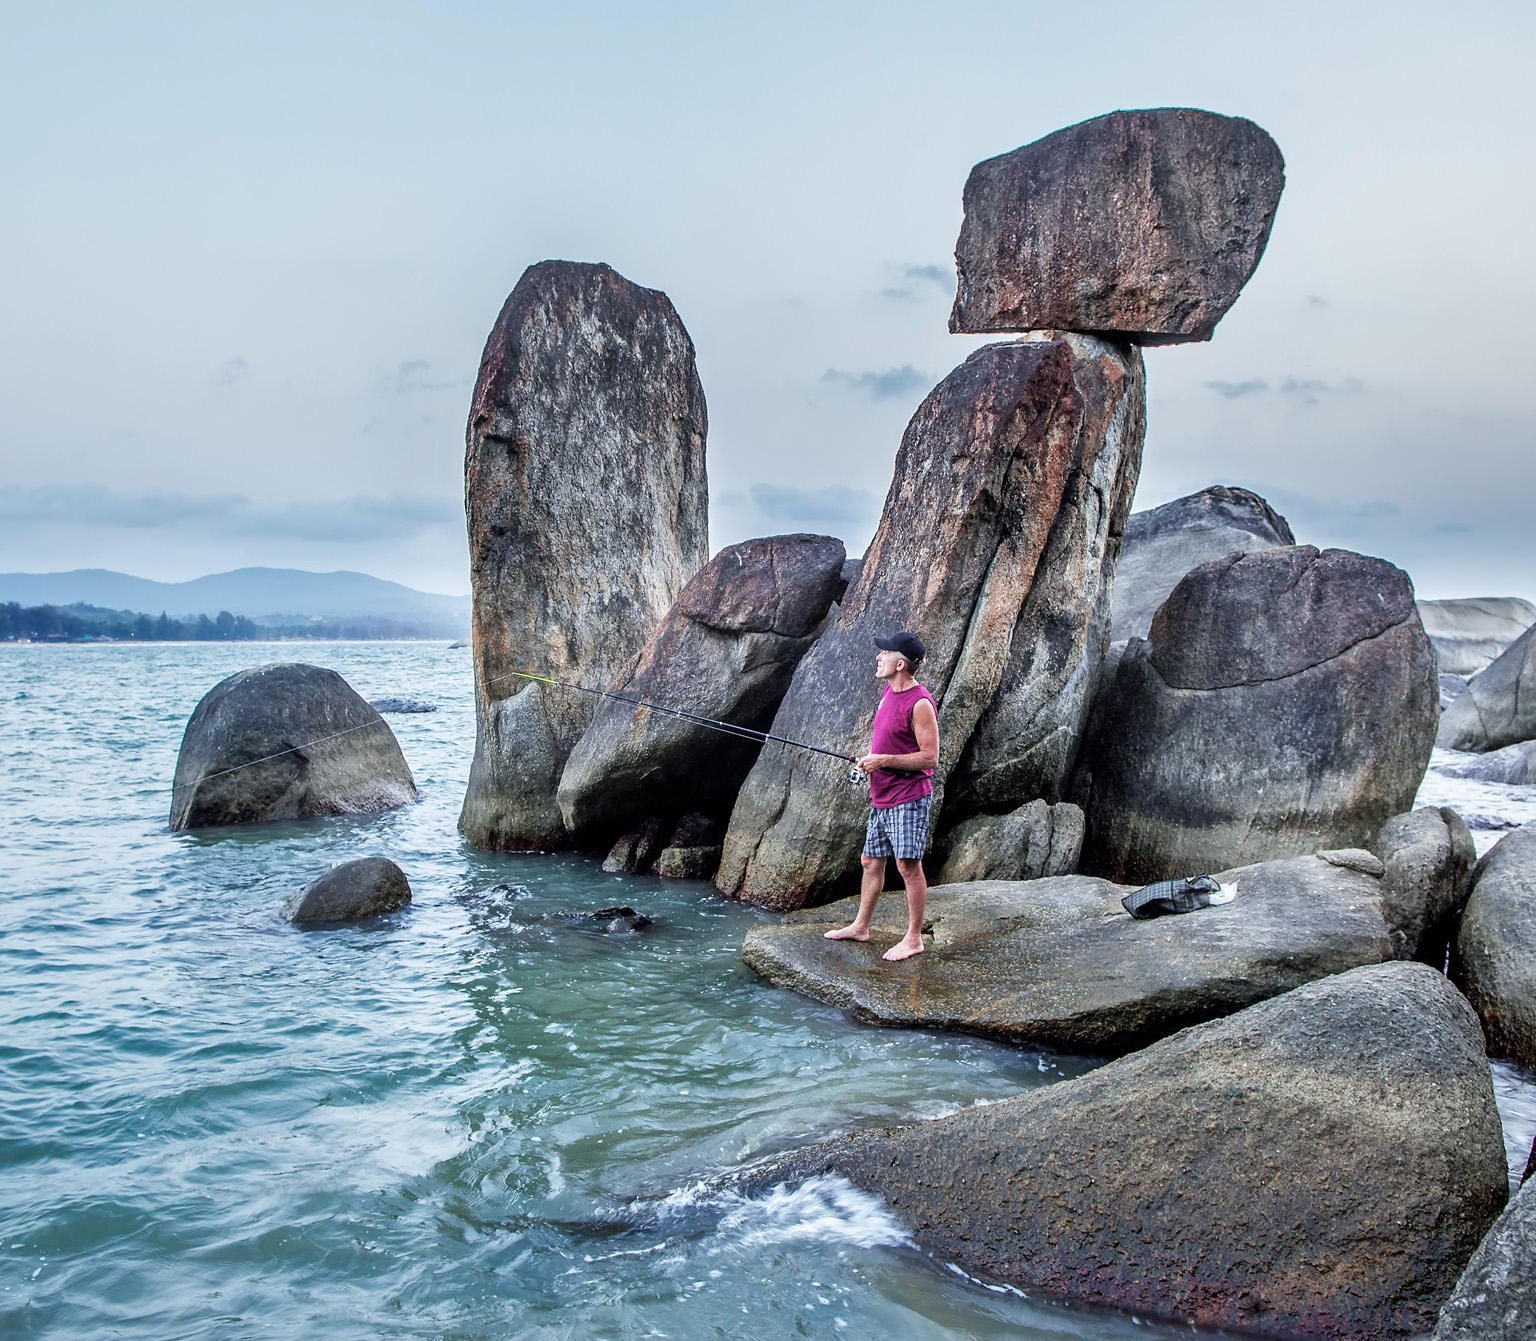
(903, 949)
(849, 933)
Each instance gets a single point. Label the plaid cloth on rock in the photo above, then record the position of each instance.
(1171, 896)
(898, 831)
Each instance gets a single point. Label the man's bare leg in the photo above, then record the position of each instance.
(869, 896)
(917, 904)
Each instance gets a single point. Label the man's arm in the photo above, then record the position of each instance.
(925, 726)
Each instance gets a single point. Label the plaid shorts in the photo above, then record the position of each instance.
(898, 831)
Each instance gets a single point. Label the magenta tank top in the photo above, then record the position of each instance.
(893, 734)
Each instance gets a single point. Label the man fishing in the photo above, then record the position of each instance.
(903, 753)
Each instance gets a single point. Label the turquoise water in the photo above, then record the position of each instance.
(472, 1118)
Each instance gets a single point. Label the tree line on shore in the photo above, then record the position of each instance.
(88, 623)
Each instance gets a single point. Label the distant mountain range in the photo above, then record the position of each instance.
(269, 596)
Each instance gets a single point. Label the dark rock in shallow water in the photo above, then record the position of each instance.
(285, 741)
(402, 705)
(1428, 856)
(1140, 224)
(1499, 705)
(688, 863)
(1058, 962)
(588, 510)
(1470, 633)
(636, 848)
(1495, 1299)
(1036, 840)
(1514, 765)
(1494, 960)
(615, 920)
(353, 890)
(1283, 701)
(1319, 1165)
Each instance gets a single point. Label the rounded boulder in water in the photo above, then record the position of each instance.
(285, 741)
(353, 890)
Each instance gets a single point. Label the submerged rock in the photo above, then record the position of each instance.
(353, 890)
(615, 921)
(404, 705)
(1494, 959)
(1141, 224)
(1321, 1165)
(1470, 633)
(588, 510)
(1428, 856)
(1164, 543)
(1058, 962)
(1499, 705)
(1283, 701)
(285, 741)
(1033, 841)
(1495, 1299)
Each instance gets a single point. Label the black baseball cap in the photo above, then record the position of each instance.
(904, 644)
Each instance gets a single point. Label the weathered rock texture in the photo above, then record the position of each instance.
(1495, 1299)
(1034, 841)
(726, 650)
(1283, 701)
(1468, 634)
(1499, 705)
(585, 489)
(353, 890)
(1494, 959)
(1145, 225)
(1428, 858)
(1514, 765)
(285, 742)
(998, 537)
(1164, 543)
(1058, 961)
(1321, 1165)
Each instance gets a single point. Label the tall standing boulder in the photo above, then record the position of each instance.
(1163, 543)
(1143, 225)
(1498, 707)
(726, 650)
(1471, 632)
(1284, 701)
(979, 480)
(587, 503)
(285, 741)
(1494, 959)
(1427, 856)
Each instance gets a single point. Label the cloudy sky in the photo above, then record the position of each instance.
(252, 252)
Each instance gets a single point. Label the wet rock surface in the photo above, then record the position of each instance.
(1514, 765)
(1495, 1299)
(1494, 958)
(1058, 962)
(726, 650)
(1498, 708)
(1143, 224)
(354, 890)
(1322, 1164)
(636, 848)
(689, 863)
(1427, 857)
(286, 741)
(615, 921)
(1283, 701)
(1034, 841)
(1471, 632)
(587, 505)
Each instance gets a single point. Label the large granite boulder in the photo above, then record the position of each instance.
(350, 892)
(1427, 856)
(1320, 1165)
(1283, 701)
(1470, 633)
(1498, 707)
(585, 489)
(285, 741)
(1059, 962)
(1032, 842)
(1495, 1299)
(1494, 958)
(1143, 224)
(1163, 543)
(1009, 482)
(726, 650)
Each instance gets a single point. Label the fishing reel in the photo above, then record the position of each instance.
(856, 776)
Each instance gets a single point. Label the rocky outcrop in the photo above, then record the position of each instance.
(637, 847)
(1499, 705)
(1034, 841)
(1320, 1165)
(1058, 962)
(1283, 701)
(1494, 959)
(1141, 224)
(587, 503)
(1164, 543)
(353, 890)
(726, 650)
(1428, 858)
(285, 741)
(1495, 1299)
(1514, 765)
(1468, 634)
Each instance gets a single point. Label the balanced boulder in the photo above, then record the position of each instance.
(1495, 1299)
(1164, 543)
(1058, 961)
(726, 650)
(1141, 224)
(1321, 1165)
(1470, 633)
(1427, 857)
(1283, 701)
(1498, 707)
(1034, 841)
(285, 741)
(353, 890)
(588, 510)
(1494, 960)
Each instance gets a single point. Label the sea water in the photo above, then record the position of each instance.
(477, 1117)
